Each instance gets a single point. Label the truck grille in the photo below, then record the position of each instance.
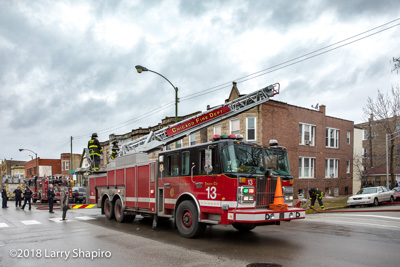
(265, 188)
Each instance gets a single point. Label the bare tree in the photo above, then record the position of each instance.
(385, 110)
(396, 62)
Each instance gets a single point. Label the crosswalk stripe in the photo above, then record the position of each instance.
(85, 218)
(30, 222)
(3, 225)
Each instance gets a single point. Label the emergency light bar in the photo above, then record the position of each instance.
(217, 137)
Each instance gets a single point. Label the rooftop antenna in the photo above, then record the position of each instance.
(316, 106)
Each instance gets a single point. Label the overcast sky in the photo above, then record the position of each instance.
(67, 67)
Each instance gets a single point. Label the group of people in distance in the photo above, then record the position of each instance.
(18, 197)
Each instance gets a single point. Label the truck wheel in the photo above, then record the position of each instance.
(83, 201)
(109, 209)
(244, 227)
(119, 211)
(187, 220)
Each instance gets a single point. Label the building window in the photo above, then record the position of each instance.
(332, 138)
(235, 126)
(348, 138)
(179, 143)
(348, 167)
(67, 165)
(192, 139)
(251, 128)
(168, 147)
(306, 167)
(365, 135)
(331, 168)
(217, 129)
(364, 152)
(307, 134)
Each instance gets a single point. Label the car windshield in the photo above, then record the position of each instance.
(242, 158)
(276, 160)
(367, 191)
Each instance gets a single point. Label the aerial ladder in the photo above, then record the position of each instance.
(158, 139)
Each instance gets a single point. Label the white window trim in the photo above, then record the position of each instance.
(301, 175)
(313, 127)
(336, 168)
(365, 135)
(230, 125)
(336, 139)
(247, 128)
(218, 126)
(190, 139)
(348, 138)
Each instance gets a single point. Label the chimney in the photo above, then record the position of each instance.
(322, 108)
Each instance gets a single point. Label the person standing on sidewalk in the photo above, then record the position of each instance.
(315, 194)
(18, 197)
(50, 196)
(4, 197)
(27, 197)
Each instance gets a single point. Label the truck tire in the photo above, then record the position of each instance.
(244, 227)
(187, 220)
(108, 209)
(119, 211)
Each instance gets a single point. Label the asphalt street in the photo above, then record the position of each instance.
(34, 238)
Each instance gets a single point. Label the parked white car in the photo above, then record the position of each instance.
(371, 196)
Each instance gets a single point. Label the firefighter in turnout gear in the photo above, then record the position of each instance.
(95, 151)
(114, 150)
(314, 194)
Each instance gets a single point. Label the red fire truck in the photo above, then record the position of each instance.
(39, 186)
(226, 181)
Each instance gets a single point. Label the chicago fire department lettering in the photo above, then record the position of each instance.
(196, 121)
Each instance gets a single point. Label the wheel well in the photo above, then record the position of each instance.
(183, 198)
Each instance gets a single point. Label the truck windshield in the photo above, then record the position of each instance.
(276, 160)
(243, 159)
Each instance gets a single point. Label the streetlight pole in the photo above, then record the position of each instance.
(22, 149)
(140, 69)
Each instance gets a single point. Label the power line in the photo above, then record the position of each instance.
(257, 74)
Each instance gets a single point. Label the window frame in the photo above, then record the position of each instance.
(311, 166)
(192, 139)
(328, 173)
(230, 126)
(329, 138)
(254, 129)
(312, 131)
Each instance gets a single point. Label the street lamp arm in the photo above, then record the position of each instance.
(175, 88)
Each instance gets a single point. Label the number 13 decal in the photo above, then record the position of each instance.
(211, 192)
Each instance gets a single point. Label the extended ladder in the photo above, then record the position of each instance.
(158, 139)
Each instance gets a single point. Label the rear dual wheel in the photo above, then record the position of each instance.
(109, 209)
(120, 216)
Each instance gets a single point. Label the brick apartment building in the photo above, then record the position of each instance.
(374, 152)
(67, 166)
(46, 167)
(320, 147)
